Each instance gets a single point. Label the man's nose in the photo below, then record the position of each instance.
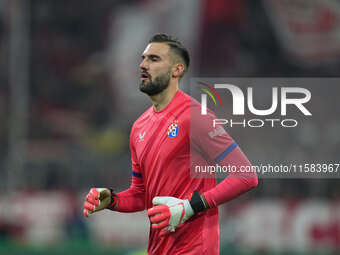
(143, 65)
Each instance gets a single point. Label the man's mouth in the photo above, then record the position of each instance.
(144, 76)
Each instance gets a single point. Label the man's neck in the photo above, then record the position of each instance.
(161, 100)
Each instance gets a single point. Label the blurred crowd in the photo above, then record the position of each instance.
(83, 89)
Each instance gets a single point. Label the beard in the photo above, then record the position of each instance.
(156, 86)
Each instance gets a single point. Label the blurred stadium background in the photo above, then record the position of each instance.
(69, 95)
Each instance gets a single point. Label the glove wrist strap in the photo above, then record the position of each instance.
(197, 202)
(114, 200)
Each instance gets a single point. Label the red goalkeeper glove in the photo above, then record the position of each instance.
(98, 199)
(170, 212)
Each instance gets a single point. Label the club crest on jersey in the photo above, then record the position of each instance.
(173, 129)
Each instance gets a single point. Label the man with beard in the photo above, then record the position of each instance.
(182, 210)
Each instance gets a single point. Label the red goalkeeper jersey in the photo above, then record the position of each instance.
(160, 154)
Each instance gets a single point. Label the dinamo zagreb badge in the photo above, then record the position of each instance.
(173, 129)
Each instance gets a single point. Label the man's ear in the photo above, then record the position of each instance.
(178, 70)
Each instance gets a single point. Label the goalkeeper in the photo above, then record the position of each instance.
(183, 211)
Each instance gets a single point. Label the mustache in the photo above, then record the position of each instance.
(145, 73)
